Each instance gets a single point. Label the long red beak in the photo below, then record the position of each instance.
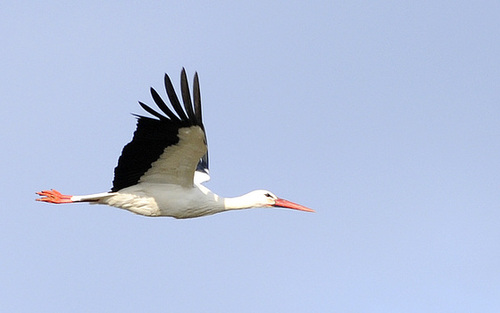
(282, 203)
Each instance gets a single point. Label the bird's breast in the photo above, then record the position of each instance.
(171, 200)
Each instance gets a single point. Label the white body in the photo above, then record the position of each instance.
(166, 200)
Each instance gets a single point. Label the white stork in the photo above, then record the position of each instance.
(161, 171)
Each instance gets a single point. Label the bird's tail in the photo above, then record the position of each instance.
(54, 196)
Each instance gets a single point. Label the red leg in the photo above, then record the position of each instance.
(53, 196)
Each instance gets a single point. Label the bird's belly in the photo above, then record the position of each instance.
(179, 202)
(180, 207)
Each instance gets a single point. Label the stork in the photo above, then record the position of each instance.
(161, 171)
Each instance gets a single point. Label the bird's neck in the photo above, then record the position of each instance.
(245, 201)
(238, 203)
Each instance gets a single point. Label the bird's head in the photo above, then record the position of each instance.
(265, 198)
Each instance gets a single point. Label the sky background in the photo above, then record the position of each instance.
(382, 116)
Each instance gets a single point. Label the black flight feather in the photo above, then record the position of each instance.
(172, 96)
(161, 104)
(197, 98)
(186, 98)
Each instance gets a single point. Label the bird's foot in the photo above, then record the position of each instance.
(53, 196)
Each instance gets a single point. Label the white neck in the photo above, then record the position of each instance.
(238, 203)
(250, 200)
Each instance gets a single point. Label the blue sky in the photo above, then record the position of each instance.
(382, 116)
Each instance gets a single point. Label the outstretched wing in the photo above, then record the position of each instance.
(167, 149)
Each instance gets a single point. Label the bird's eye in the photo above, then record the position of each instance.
(268, 195)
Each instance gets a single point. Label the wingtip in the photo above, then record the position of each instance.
(167, 80)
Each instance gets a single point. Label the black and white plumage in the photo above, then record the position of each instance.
(145, 158)
(161, 171)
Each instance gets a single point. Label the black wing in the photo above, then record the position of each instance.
(168, 148)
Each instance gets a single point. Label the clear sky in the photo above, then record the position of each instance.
(383, 116)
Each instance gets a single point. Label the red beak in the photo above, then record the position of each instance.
(282, 203)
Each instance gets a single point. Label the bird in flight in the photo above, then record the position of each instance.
(161, 171)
